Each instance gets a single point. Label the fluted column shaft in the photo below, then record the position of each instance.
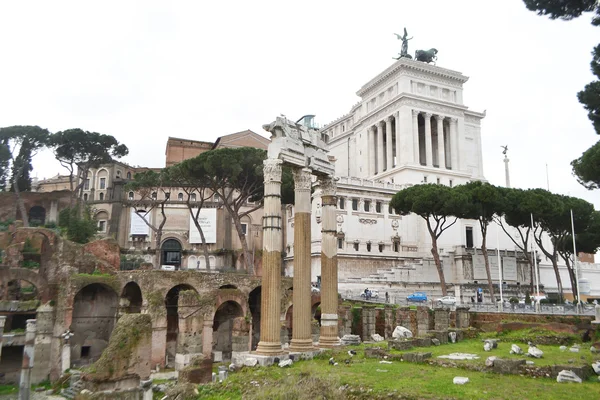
(28, 358)
(415, 135)
(428, 141)
(302, 316)
(329, 266)
(380, 164)
(389, 146)
(371, 133)
(2, 321)
(397, 131)
(270, 302)
(440, 141)
(454, 143)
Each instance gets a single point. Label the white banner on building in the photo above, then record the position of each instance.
(137, 226)
(208, 222)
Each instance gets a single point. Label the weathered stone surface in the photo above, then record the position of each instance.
(489, 362)
(416, 357)
(515, 349)
(423, 342)
(596, 367)
(567, 376)
(442, 336)
(452, 337)
(460, 380)
(584, 371)
(402, 333)
(507, 366)
(198, 371)
(563, 348)
(250, 362)
(350, 340)
(460, 356)
(377, 337)
(535, 352)
(375, 352)
(285, 363)
(401, 344)
(435, 342)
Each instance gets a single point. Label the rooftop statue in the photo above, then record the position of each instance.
(426, 55)
(404, 50)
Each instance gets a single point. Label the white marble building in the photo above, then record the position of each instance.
(409, 127)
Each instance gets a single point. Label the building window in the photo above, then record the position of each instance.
(244, 229)
(378, 207)
(101, 226)
(118, 174)
(130, 195)
(356, 246)
(368, 246)
(154, 196)
(367, 205)
(342, 203)
(85, 197)
(86, 185)
(424, 179)
(396, 247)
(180, 197)
(102, 183)
(216, 198)
(438, 181)
(101, 196)
(380, 247)
(450, 182)
(390, 209)
(469, 235)
(128, 175)
(193, 196)
(355, 204)
(168, 195)
(340, 243)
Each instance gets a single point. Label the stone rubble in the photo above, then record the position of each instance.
(377, 337)
(285, 363)
(350, 340)
(489, 362)
(460, 356)
(567, 376)
(452, 337)
(596, 367)
(435, 341)
(460, 380)
(250, 362)
(535, 352)
(402, 333)
(515, 349)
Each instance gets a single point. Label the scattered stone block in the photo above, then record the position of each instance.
(285, 363)
(460, 356)
(442, 336)
(435, 342)
(402, 333)
(250, 362)
(567, 376)
(535, 352)
(515, 349)
(416, 357)
(350, 340)
(563, 348)
(574, 349)
(423, 342)
(460, 380)
(375, 352)
(401, 344)
(377, 337)
(489, 362)
(529, 362)
(222, 376)
(583, 372)
(596, 367)
(452, 337)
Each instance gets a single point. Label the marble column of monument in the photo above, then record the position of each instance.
(2, 321)
(371, 133)
(454, 144)
(302, 317)
(428, 140)
(270, 302)
(389, 145)
(380, 164)
(329, 267)
(27, 366)
(398, 149)
(415, 135)
(440, 141)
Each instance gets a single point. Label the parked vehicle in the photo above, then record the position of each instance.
(370, 294)
(447, 301)
(417, 296)
(167, 267)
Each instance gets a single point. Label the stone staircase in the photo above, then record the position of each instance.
(75, 385)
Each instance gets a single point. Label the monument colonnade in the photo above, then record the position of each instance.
(392, 143)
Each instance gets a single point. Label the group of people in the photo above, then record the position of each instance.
(368, 294)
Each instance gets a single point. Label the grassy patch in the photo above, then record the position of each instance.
(8, 389)
(537, 335)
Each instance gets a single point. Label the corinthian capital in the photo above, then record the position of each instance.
(327, 185)
(272, 169)
(302, 178)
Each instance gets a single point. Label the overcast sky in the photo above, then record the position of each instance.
(144, 71)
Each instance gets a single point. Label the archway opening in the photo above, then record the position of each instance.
(26, 293)
(37, 216)
(94, 316)
(254, 304)
(131, 299)
(172, 305)
(223, 325)
(171, 253)
(228, 287)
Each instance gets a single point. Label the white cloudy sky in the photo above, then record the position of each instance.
(143, 71)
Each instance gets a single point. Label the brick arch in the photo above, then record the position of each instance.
(234, 296)
(24, 274)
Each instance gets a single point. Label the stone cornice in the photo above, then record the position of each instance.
(414, 68)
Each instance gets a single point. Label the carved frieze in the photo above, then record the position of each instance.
(367, 221)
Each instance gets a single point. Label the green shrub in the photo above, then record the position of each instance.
(31, 264)
(80, 227)
(514, 300)
(527, 298)
(28, 247)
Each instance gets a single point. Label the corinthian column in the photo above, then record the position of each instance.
(454, 144)
(301, 319)
(329, 267)
(415, 135)
(380, 164)
(397, 132)
(389, 144)
(428, 141)
(27, 366)
(270, 302)
(440, 141)
(372, 152)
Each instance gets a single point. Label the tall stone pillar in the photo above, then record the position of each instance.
(371, 133)
(380, 164)
(207, 337)
(27, 366)
(389, 147)
(2, 321)
(329, 266)
(428, 141)
(415, 135)
(301, 319)
(397, 132)
(440, 141)
(270, 302)
(454, 143)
